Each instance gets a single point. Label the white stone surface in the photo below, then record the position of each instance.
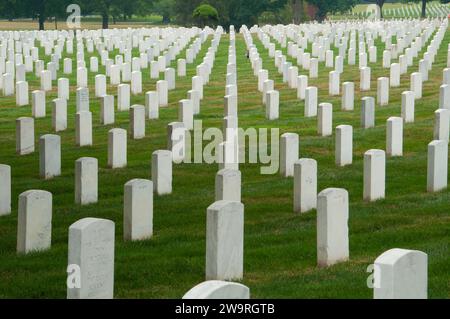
(228, 185)
(332, 226)
(83, 128)
(86, 180)
(24, 135)
(151, 105)
(225, 241)
(49, 156)
(289, 150)
(107, 115)
(138, 209)
(305, 185)
(137, 121)
(34, 221)
(218, 289)
(401, 274)
(374, 174)
(408, 106)
(344, 145)
(38, 104)
(91, 247)
(117, 148)
(368, 112)
(325, 119)
(311, 101)
(348, 96)
(5, 189)
(394, 136)
(162, 172)
(437, 165)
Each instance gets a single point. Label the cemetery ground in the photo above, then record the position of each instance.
(279, 245)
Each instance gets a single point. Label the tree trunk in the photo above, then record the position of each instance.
(301, 10)
(41, 21)
(56, 23)
(424, 8)
(105, 20)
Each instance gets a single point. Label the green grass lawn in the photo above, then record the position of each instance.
(279, 246)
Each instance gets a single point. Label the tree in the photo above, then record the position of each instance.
(166, 8)
(325, 7)
(206, 14)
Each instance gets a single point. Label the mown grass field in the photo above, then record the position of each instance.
(280, 246)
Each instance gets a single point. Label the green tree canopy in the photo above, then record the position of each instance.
(206, 14)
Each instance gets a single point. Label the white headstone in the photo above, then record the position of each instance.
(332, 226)
(162, 172)
(437, 167)
(225, 240)
(24, 135)
(289, 150)
(401, 274)
(117, 148)
(91, 248)
(305, 185)
(49, 156)
(5, 189)
(86, 180)
(374, 174)
(138, 210)
(34, 221)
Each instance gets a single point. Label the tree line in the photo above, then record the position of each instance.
(184, 12)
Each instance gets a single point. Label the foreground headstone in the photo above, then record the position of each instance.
(374, 174)
(401, 274)
(86, 180)
(34, 221)
(49, 156)
(82, 99)
(225, 241)
(441, 124)
(325, 119)
(91, 248)
(368, 112)
(151, 105)
(137, 122)
(218, 289)
(228, 185)
(332, 227)
(22, 93)
(383, 91)
(394, 136)
(186, 113)
(163, 95)
(162, 172)
(310, 101)
(305, 185)
(138, 210)
(107, 109)
(123, 97)
(59, 114)
(272, 105)
(83, 128)
(5, 189)
(24, 135)
(344, 145)
(117, 148)
(348, 96)
(408, 106)
(437, 165)
(288, 153)
(38, 103)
